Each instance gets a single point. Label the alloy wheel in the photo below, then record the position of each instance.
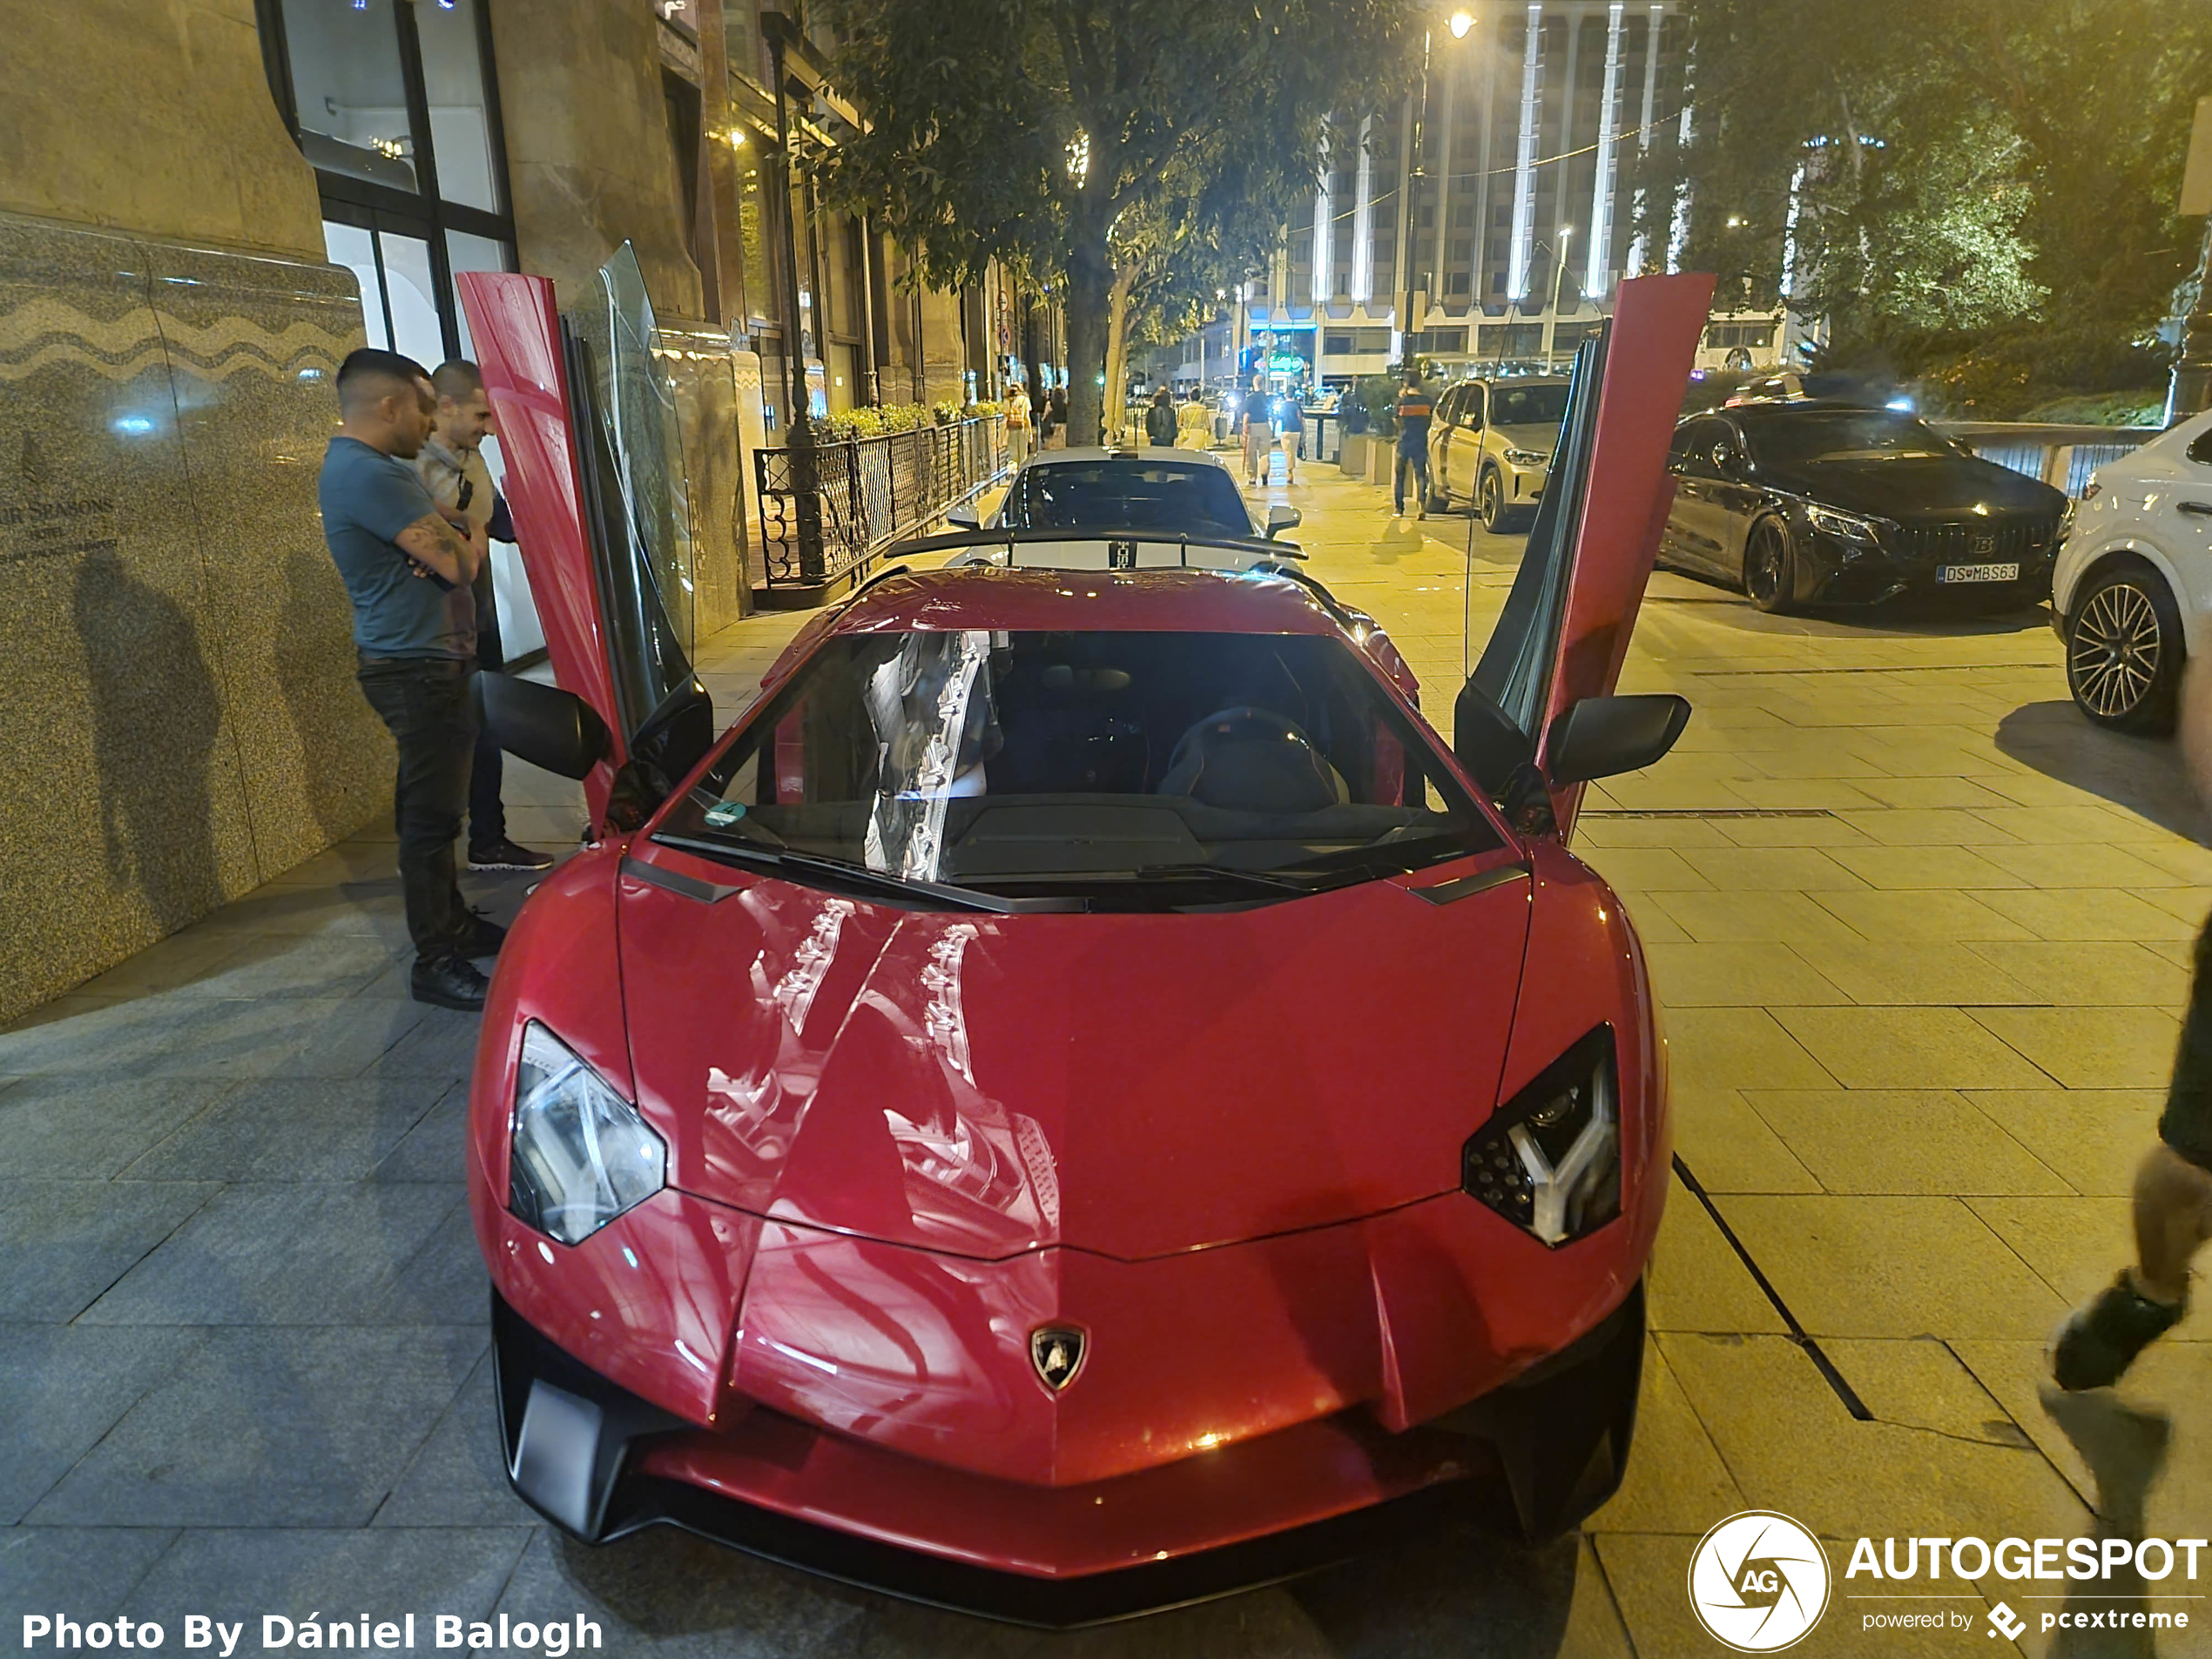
(1766, 567)
(1492, 506)
(2114, 658)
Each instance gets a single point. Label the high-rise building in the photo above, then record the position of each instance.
(1519, 137)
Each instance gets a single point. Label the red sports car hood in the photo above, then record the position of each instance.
(1134, 1085)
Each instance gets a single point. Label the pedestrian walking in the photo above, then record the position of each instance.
(1291, 422)
(1056, 418)
(1260, 434)
(451, 466)
(407, 569)
(1159, 420)
(1194, 424)
(1017, 426)
(1415, 410)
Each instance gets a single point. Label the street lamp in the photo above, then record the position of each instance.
(1461, 22)
(1559, 275)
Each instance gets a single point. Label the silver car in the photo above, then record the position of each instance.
(1491, 444)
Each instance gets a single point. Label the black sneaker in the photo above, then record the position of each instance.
(480, 936)
(2099, 1341)
(506, 855)
(448, 982)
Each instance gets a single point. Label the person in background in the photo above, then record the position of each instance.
(1289, 421)
(1415, 410)
(2172, 1216)
(451, 466)
(1159, 418)
(1017, 426)
(403, 563)
(1055, 417)
(1259, 432)
(1194, 424)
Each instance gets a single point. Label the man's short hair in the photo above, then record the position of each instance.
(370, 373)
(457, 378)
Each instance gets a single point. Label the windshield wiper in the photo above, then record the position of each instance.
(859, 875)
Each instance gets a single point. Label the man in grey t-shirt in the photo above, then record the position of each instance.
(407, 569)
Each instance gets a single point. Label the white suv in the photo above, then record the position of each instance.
(2131, 593)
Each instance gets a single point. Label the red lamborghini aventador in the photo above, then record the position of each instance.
(1079, 1099)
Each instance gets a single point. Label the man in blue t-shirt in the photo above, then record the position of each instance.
(407, 568)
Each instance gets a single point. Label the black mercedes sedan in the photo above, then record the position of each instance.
(1818, 503)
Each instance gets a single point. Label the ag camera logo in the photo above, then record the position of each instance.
(1758, 1582)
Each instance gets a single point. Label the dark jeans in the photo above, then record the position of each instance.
(424, 703)
(1418, 461)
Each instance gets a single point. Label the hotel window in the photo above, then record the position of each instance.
(395, 104)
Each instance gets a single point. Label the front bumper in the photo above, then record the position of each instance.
(1834, 570)
(1530, 1458)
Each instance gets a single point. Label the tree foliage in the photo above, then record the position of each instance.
(1985, 189)
(1091, 143)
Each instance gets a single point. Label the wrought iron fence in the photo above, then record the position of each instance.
(872, 492)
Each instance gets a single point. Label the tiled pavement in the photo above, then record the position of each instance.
(1921, 936)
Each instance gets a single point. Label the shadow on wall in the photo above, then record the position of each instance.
(311, 636)
(155, 718)
(2143, 774)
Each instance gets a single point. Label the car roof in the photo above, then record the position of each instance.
(1514, 379)
(1142, 457)
(1171, 601)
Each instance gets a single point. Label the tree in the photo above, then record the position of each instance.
(1991, 178)
(1032, 132)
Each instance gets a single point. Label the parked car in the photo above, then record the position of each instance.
(1491, 444)
(2133, 583)
(1133, 489)
(1822, 503)
(1081, 1098)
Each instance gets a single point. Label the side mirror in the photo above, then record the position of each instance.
(964, 516)
(544, 725)
(1281, 518)
(1600, 736)
(1491, 747)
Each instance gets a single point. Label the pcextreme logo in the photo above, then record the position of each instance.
(1758, 1582)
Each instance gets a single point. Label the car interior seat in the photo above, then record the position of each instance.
(1251, 759)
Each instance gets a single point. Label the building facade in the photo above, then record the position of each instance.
(207, 205)
(1482, 218)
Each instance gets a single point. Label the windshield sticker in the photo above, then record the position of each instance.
(725, 812)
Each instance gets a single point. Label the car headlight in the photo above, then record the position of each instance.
(582, 1154)
(1549, 1159)
(1850, 526)
(2066, 523)
(1526, 458)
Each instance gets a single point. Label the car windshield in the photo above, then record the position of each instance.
(1796, 437)
(1132, 494)
(1128, 770)
(1512, 405)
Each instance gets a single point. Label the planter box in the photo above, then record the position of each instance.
(1353, 457)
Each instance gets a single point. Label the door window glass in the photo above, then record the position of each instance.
(2200, 451)
(1471, 411)
(644, 514)
(453, 79)
(346, 86)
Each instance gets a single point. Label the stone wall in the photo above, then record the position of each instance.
(154, 116)
(588, 165)
(180, 720)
